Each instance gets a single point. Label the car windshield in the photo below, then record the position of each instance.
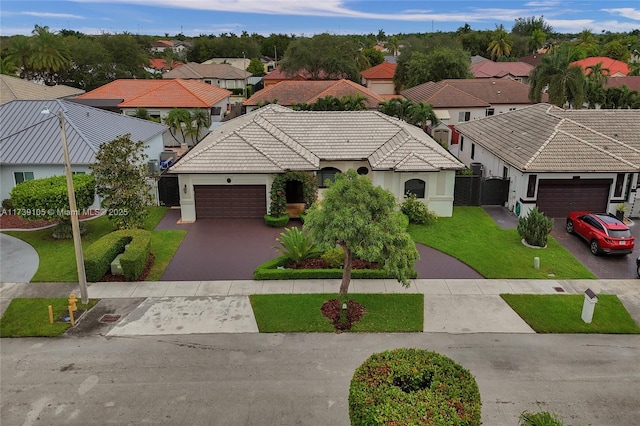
(624, 233)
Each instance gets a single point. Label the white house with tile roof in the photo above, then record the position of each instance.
(230, 172)
(30, 141)
(559, 160)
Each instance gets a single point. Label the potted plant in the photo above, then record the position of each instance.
(620, 209)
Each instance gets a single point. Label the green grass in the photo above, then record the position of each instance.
(57, 257)
(471, 236)
(30, 317)
(561, 313)
(288, 313)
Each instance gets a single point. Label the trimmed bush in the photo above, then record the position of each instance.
(404, 220)
(276, 222)
(334, 257)
(535, 227)
(99, 255)
(413, 387)
(7, 204)
(417, 211)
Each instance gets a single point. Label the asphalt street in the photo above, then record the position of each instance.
(302, 379)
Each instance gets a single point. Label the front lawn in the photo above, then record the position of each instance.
(57, 257)
(30, 317)
(291, 313)
(561, 313)
(471, 236)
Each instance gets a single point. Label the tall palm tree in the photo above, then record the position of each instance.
(596, 78)
(355, 102)
(50, 53)
(565, 83)
(393, 45)
(200, 122)
(537, 39)
(20, 53)
(500, 44)
(422, 114)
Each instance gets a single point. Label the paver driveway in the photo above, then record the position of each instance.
(230, 249)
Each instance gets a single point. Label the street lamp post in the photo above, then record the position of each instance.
(244, 62)
(73, 210)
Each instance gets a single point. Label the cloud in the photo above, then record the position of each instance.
(577, 25)
(548, 3)
(625, 12)
(51, 15)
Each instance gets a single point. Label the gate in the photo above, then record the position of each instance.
(495, 191)
(473, 190)
(168, 190)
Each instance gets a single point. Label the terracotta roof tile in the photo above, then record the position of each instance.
(488, 69)
(383, 71)
(614, 66)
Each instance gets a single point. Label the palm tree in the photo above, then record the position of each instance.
(199, 122)
(422, 114)
(597, 77)
(178, 120)
(393, 45)
(500, 44)
(20, 53)
(50, 53)
(7, 66)
(355, 102)
(537, 39)
(565, 83)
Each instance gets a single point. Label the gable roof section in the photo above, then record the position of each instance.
(196, 71)
(488, 69)
(160, 93)
(274, 139)
(383, 71)
(632, 82)
(544, 138)
(12, 88)
(614, 66)
(475, 92)
(29, 137)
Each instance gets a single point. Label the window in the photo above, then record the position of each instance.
(512, 109)
(22, 176)
(216, 111)
(208, 81)
(325, 175)
(489, 111)
(473, 150)
(363, 171)
(461, 143)
(464, 116)
(505, 173)
(78, 173)
(619, 185)
(414, 186)
(531, 186)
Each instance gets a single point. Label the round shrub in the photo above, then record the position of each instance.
(413, 387)
(277, 221)
(334, 257)
(535, 227)
(417, 211)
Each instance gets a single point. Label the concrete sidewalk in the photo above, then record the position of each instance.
(185, 307)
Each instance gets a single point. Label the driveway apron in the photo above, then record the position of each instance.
(18, 260)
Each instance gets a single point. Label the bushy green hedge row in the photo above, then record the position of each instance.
(269, 271)
(276, 222)
(99, 255)
(47, 198)
(413, 387)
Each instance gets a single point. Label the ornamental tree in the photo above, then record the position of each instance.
(363, 220)
(120, 171)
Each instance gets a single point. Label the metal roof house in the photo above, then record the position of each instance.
(30, 145)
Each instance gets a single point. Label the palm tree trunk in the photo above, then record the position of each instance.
(346, 270)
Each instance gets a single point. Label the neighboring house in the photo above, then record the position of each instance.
(240, 63)
(159, 46)
(615, 68)
(288, 93)
(456, 101)
(559, 160)
(161, 65)
(159, 97)
(518, 71)
(224, 76)
(534, 59)
(632, 82)
(477, 58)
(380, 78)
(12, 88)
(30, 141)
(277, 75)
(230, 173)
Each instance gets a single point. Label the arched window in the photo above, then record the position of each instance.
(414, 186)
(327, 174)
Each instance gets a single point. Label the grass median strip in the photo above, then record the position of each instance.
(385, 313)
(551, 313)
(30, 317)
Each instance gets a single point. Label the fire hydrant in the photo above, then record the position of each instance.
(72, 302)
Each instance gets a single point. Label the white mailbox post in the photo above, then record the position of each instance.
(590, 300)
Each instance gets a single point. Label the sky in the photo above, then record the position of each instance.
(309, 17)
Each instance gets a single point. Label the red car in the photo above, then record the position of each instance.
(604, 233)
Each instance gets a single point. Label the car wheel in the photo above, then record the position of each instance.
(595, 248)
(569, 226)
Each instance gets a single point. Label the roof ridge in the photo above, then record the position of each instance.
(267, 156)
(188, 89)
(544, 144)
(9, 86)
(597, 148)
(418, 156)
(603, 135)
(468, 94)
(139, 95)
(298, 148)
(392, 149)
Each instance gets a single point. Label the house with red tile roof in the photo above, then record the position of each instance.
(459, 100)
(159, 97)
(159, 46)
(277, 75)
(632, 82)
(289, 93)
(615, 68)
(518, 71)
(161, 65)
(380, 78)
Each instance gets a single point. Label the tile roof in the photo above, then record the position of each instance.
(614, 66)
(12, 88)
(27, 136)
(632, 82)
(160, 93)
(383, 71)
(544, 138)
(488, 69)
(291, 92)
(161, 64)
(278, 74)
(472, 93)
(196, 71)
(275, 139)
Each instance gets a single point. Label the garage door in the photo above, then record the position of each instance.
(558, 197)
(217, 201)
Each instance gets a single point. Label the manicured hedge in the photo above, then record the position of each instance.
(269, 271)
(99, 255)
(413, 387)
(276, 222)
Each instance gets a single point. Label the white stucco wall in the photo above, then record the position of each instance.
(381, 87)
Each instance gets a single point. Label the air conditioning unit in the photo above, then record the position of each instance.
(168, 155)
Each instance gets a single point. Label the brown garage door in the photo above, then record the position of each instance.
(558, 197)
(216, 201)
